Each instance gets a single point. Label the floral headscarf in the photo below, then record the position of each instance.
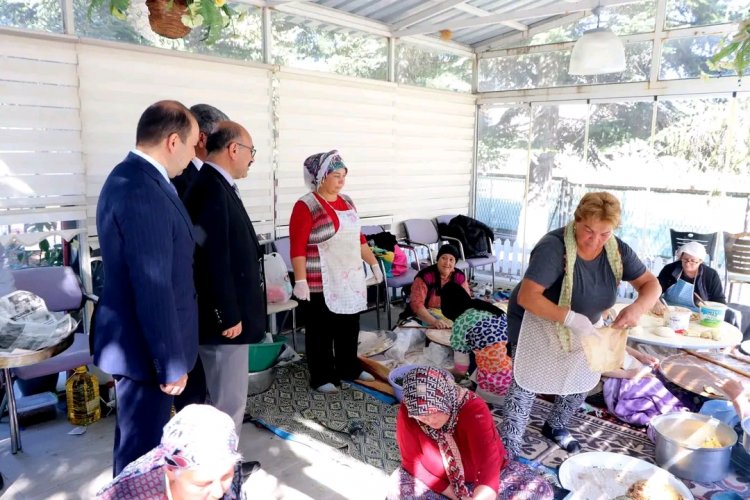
(199, 436)
(429, 390)
(318, 166)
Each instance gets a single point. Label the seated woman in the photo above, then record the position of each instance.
(687, 277)
(429, 282)
(633, 394)
(196, 459)
(479, 328)
(450, 447)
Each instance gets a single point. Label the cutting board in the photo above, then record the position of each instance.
(736, 363)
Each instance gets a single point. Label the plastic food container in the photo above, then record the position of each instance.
(395, 378)
(678, 318)
(712, 313)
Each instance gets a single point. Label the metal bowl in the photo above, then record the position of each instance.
(675, 451)
(746, 434)
(258, 382)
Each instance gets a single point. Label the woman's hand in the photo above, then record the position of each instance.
(733, 389)
(659, 309)
(301, 290)
(646, 359)
(579, 324)
(628, 317)
(440, 324)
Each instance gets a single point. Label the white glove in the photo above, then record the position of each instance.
(377, 273)
(579, 324)
(301, 290)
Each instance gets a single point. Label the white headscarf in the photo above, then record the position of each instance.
(694, 249)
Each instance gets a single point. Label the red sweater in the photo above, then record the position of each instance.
(482, 452)
(300, 224)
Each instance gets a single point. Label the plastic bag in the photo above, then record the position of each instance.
(407, 339)
(278, 285)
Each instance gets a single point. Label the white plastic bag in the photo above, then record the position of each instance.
(278, 285)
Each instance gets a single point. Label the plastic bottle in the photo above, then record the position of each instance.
(82, 393)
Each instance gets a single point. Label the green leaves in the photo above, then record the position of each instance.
(735, 51)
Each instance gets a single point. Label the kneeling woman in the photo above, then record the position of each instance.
(450, 447)
(479, 328)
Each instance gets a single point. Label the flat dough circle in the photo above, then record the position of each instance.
(664, 331)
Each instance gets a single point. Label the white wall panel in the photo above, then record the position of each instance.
(118, 84)
(41, 165)
(409, 151)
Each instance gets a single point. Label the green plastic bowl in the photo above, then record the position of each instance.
(263, 356)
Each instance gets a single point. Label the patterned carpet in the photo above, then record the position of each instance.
(598, 434)
(355, 424)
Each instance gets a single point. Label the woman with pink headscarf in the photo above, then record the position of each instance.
(327, 250)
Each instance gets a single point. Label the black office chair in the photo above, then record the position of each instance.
(708, 240)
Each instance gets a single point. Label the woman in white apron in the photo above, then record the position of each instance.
(327, 250)
(687, 277)
(572, 278)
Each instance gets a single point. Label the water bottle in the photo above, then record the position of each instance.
(82, 394)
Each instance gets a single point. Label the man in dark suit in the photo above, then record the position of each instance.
(207, 116)
(146, 328)
(228, 269)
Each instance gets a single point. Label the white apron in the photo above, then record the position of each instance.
(341, 268)
(541, 366)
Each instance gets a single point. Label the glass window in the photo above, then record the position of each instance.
(41, 15)
(628, 19)
(308, 44)
(431, 68)
(550, 69)
(241, 40)
(502, 162)
(683, 58)
(686, 13)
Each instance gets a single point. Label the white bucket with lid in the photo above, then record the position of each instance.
(677, 318)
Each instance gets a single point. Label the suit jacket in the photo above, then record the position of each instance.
(146, 325)
(183, 181)
(228, 262)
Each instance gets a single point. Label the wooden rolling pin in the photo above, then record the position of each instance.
(715, 361)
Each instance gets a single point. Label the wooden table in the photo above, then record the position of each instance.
(697, 371)
(24, 358)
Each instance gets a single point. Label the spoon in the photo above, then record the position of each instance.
(700, 300)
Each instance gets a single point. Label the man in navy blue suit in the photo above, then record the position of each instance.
(146, 328)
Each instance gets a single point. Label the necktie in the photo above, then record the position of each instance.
(236, 190)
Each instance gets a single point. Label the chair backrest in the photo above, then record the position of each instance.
(421, 231)
(370, 230)
(444, 219)
(283, 248)
(58, 286)
(737, 252)
(708, 240)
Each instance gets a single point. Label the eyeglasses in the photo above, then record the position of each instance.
(690, 261)
(252, 149)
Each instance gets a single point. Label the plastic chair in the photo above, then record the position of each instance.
(272, 308)
(473, 262)
(708, 240)
(737, 254)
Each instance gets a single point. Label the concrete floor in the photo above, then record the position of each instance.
(56, 465)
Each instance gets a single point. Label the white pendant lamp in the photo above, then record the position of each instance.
(597, 52)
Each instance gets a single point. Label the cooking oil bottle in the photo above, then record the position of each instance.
(82, 393)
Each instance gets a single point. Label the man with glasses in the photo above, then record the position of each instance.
(208, 117)
(228, 270)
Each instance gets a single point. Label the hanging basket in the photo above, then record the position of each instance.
(165, 21)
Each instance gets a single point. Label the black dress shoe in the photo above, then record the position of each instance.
(248, 468)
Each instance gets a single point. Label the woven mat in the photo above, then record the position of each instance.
(598, 434)
(355, 424)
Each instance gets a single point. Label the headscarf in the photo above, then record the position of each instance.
(199, 436)
(454, 301)
(429, 390)
(694, 249)
(450, 250)
(318, 166)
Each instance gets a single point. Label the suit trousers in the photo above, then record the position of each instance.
(225, 366)
(330, 343)
(142, 412)
(195, 389)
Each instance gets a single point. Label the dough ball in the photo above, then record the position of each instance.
(664, 331)
(636, 331)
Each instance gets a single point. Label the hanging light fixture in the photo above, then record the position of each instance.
(597, 52)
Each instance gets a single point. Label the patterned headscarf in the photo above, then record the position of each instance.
(429, 390)
(318, 166)
(199, 436)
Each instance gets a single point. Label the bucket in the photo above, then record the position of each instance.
(395, 378)
(712, 313)
(678, 318)
(606, 351)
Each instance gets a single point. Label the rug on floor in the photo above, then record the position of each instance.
(597, 434)
(353, 422)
